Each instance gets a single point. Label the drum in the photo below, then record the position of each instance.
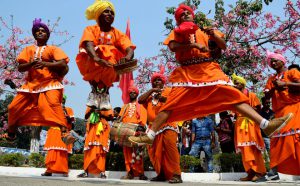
(120, 132)
(125, 67)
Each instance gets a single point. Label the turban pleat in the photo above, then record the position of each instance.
(95, 10)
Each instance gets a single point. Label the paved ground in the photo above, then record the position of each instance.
(57, 181)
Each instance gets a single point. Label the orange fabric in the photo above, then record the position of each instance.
(138, 166)
(249, 141)
(42, 109)
(96, 147)
(111, 46)
(197, 88)
(140, 119)
(129, 113)
(164, 154)
(40, 80)
(252, 159)
(57, 156)
(285, 146)
(188, 102)
(70, 113)
(201, 38)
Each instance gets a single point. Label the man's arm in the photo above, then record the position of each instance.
(143, 98)
(90, 48)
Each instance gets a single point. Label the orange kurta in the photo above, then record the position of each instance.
(163, 153)
(57, 156)
(110, 46)
(134, 113)
(248, 140)
(38, 101)
(285, 145)
(197, 88)
(96, 145)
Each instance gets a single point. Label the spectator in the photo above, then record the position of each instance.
(186, 137)
(267, 113)
(203, 137)
(225, 132)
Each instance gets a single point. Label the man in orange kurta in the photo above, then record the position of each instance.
(96, 142)
(248, 139)
(135, 113)
(199, 87)
(57, 156)
(283, 89)
(38, 101)
(101, 47)
(163, 153)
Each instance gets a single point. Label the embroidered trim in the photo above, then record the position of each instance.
(288, 133)
(56, 148)
(168, 128)
(36, 58)
(96, 143)
(249, 143)
(44, 89)
(204, 84)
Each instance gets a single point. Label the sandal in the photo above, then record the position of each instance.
(175, 179)
(158, 178)
(143, 177)
(102, 176)
(128, 176)
(46, 174)
(83, 175)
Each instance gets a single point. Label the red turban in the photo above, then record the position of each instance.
(160, 75)
(180, 10)
(133, 88)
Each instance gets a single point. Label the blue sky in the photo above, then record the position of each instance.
(147, 30)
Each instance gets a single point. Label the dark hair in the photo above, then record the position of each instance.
(294, 66)
(223, 114)
(117, 109)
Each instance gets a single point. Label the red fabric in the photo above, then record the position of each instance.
(186, 28)
(127, 77)
(160, 75)
(181, 9)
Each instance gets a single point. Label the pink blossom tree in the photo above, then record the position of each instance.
(13, 41)
(249, 32)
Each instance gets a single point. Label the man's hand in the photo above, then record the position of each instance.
(40, 64)
(201, 47)
(102, 62)
(125, 59)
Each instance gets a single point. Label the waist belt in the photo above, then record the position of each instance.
(203, 138)
(194, 61)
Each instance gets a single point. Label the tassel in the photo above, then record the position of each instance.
(133, 155)
(99, 128)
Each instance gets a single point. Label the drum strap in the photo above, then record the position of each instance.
(121, 118)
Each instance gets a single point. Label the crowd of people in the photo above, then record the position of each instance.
(194, 91)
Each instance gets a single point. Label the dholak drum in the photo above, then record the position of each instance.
(120, 132)
(125, 67)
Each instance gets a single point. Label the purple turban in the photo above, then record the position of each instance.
(37, 23)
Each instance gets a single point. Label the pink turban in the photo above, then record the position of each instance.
(133, 88)
(180, 10)
(272, 55)
(160, 75)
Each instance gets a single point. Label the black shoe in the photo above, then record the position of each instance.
(273, 177)
(83, 175)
